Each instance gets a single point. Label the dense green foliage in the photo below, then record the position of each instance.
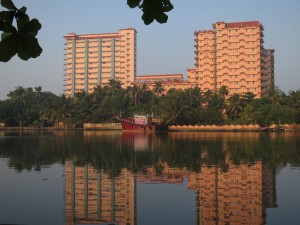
(33, 107)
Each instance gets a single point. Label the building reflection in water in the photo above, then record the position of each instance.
(233, 197)
(239, 194)
(94, 197)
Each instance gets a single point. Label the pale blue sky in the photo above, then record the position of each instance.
(161, 48)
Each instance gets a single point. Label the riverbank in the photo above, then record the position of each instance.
(200, 128)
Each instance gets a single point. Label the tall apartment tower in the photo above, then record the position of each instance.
(230, 55)
(92, 60)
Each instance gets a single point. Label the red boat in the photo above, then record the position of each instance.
(142, 123)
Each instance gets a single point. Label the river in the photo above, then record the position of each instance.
(111, 177)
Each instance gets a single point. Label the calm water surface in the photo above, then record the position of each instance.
(93, 177)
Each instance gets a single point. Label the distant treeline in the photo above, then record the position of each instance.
(34, 107)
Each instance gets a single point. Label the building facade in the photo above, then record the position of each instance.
(167, 81)
(92, 60)
(231, 55)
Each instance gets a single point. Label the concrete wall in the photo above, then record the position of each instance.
(215, 128)
(102, 126)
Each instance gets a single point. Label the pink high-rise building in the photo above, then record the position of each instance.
(92, 60)
(230, 55)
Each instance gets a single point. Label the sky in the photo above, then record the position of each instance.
(161, 48)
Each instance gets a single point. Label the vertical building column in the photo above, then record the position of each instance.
(86, 192)
(113, 204)
(86, 78)
(215, 61)
(73, 66)
(72, 190)
(99, 195)
(99, 60)
(113, 58)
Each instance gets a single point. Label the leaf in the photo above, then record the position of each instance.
(133, 3)
(147, 18)
(8, 4)
(22, 54)
(7, 17)
(29, 45)
(161, 18)
(8, 28)
(21, 23)
(21, 13)
(167, 5)
(8, 47)
(5, 35)
(31, 27)
(23, 9)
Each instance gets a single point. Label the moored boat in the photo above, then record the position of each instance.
(143, 123)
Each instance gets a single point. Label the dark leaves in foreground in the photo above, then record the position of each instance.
(152, 9)
(19, 39)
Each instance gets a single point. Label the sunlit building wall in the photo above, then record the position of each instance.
(94, 197)
(92, 60)
(230, 55)
(205, 59)
(167, 81)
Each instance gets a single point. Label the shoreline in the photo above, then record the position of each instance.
(172, 128)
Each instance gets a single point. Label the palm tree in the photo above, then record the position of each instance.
(63, 109)
(158, 89)
(248, 96)
(38, 95)
(173, 106)
(223, 92)
(235, 105)
(134, 93)
(195, 96)
(276, 96)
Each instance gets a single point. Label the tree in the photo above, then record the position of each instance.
(294, 102)
(21, 39)
(235, 105)
(223, 92)
(248, 96)
(158, 88)
(134, 93)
